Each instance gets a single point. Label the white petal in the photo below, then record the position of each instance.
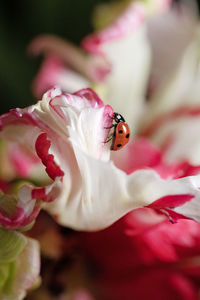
(107, 193)
(173, 113)
(179, 139)
(126, 84)
(124, 45)
(169, 36)
(181, 88)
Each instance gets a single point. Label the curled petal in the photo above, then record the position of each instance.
(42, 146)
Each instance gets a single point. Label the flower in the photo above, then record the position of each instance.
(127, 35)
(143, 247)
(68, 133)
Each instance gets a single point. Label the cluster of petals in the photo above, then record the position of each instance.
(86, 186)
(69, 138)
(143, 249)
(90, 188)
(68, 132)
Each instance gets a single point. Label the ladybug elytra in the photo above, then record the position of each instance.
(121, 133)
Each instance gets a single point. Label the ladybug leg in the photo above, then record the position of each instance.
(108, 140)
(109, 127)
(111, 117)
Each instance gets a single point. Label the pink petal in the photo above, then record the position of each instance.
(48, 75)
(130, 20)
(42, 146)
(91, 96)
(171, 201)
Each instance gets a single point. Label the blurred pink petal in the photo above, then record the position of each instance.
(144, 249)
(54, 72)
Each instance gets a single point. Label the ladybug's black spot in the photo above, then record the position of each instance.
(119, 145)
(120, 131)
(127, 136)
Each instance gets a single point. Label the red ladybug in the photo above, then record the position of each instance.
(121, 133)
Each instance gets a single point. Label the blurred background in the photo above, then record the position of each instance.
(20, 22)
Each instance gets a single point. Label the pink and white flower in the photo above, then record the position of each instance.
(68, 133)
(92, 188)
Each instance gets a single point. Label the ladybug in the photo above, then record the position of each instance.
(121, 133)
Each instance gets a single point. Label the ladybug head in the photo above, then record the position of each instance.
(118, 118)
